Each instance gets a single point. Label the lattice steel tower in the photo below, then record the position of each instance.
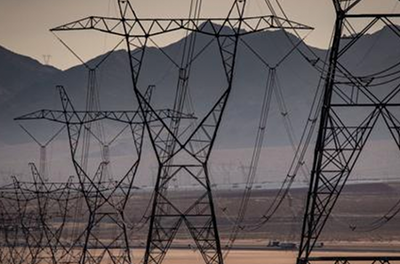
(182, 151)
(352, 106)
(28, 231)
(106, 200)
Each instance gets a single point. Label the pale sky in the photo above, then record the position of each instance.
(25, 24)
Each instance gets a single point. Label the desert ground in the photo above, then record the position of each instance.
(348, 232)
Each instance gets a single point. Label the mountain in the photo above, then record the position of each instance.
(297, 78)
(19, 73)
(205, 84)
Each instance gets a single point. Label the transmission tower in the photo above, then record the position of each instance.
(106, 200)
(181, 155)
(43, 150)
(46, 59)
(34, 218)
(352, 107)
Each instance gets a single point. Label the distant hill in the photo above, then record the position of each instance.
(18, 73)
(206, 83)
(26, 85)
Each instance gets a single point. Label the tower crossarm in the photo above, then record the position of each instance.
(150, 27)
(372, 15)
(53, 190)
(85, 117)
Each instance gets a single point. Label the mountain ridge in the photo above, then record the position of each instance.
(14, 66)
(298, 79)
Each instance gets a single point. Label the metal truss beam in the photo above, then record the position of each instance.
(86, 117)
(147, 27)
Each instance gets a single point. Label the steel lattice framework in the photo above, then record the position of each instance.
(105, 200)
(34, 219)
(179, 155)
(352, 107)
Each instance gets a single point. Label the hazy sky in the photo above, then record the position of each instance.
(24, 24)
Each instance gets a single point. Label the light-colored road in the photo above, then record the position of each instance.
(175, 256)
